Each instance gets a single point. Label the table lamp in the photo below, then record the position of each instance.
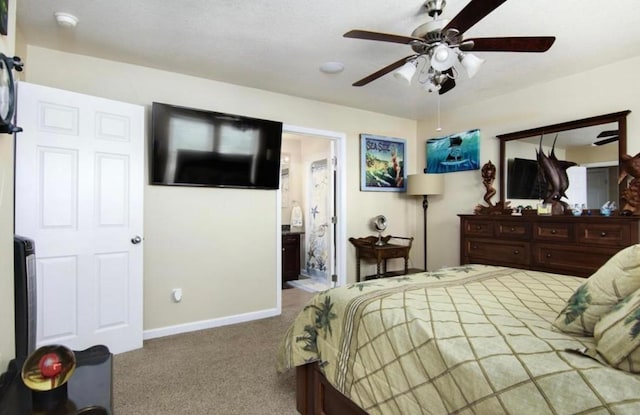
(425, 185)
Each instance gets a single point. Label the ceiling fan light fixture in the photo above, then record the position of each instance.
(406, 71)
(431, 85)
(471, 63)
(442, 58)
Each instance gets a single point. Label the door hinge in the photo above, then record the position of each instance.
(334, 162)
(334, 220)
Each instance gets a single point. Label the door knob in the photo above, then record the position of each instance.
(136, 240)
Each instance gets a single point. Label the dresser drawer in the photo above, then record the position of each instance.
(604, 234)
(513, 230)
(496, 252)
(393, 253)
(572, 259)
(561, 232)
(478, 228)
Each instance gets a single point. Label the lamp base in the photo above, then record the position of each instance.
(51, 399)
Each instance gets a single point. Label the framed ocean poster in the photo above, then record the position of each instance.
(455, 152)
(382, 164)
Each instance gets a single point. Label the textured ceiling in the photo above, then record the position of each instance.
(278, 45)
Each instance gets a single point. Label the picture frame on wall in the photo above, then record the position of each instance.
(382, 163)
(455, 152)
(4, 17)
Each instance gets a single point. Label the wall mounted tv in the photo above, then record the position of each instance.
(192, 147)
(524, 181)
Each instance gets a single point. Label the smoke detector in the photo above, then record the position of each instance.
(66, 19)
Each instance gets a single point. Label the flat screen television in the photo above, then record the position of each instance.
(193, 147)
(524, 181)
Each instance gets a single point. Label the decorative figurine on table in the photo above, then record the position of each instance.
(554, 172)
(380, 224)
(608, 208)
(46, 372)
(631, 195)
(488, 172)
(577, 209)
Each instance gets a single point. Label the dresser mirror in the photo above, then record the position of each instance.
(595, 144)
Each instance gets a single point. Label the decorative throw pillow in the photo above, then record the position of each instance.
(616, 279)
(617, 335)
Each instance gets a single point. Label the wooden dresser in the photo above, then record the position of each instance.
(560, 244)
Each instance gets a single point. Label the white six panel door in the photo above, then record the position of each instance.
(79, 192)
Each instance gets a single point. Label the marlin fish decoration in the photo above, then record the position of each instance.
(554, 172)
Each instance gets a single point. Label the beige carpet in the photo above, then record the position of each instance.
(227, 370)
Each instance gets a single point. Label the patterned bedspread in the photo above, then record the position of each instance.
(469, 340)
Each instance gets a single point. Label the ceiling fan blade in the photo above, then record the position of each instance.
(607, 133)
(449, 84)
(383, 71)
(512, 44)
(473, 12)
(605, 141)
(383, 37)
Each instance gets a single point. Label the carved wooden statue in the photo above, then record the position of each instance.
(555, 174)
(630, 167)
(488, 177)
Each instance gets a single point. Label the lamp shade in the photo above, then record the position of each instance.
(471, 63)
(442, 58)
(406, 72)
(425, 184)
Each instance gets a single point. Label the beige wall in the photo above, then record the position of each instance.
(219, 245)
(206, 251)
(564, 99)
(591, 154)
(7, 347)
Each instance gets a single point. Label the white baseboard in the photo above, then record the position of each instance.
(208, 324)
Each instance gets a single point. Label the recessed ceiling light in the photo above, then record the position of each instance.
(332, 67)
(66, 19)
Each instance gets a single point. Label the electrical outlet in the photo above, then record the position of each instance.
(176, 294)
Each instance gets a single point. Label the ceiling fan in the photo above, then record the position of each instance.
(439, 43)
(608, 136)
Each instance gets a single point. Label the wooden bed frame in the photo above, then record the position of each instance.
(316, 396)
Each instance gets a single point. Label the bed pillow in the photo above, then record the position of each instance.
(617, 335)
(618, 278)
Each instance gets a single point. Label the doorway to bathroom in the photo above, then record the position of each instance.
(310, 204)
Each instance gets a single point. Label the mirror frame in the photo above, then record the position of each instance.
(619, 117)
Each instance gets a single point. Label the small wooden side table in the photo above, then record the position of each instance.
(366, 248)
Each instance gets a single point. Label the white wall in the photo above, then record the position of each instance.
(579, 96)
(219, 245)
(7, 338)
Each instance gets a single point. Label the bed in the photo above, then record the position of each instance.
(474, 339)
